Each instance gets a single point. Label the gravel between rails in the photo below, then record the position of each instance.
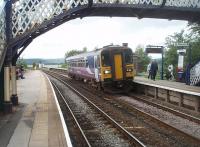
(98, 131)
(148, 132)
(187, 126)
(160, 136)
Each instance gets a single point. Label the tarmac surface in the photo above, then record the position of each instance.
(36, 121)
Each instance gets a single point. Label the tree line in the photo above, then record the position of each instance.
(191, 37)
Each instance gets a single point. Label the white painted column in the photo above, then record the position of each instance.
(7, 99)
(6, 84)
(14, 97)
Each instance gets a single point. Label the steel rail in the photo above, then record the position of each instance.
(132, 138)
(160, 121)
(176, 112)
(68, 107)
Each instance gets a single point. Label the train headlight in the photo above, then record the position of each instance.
(129, 69)
(107, 72)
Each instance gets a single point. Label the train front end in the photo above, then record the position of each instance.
(117, 66)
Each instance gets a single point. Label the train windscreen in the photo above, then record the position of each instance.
(128, 56)
(105, 56)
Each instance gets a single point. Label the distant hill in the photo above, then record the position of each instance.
(44, 61)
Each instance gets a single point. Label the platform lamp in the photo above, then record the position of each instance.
(157, 50)
(181, 51)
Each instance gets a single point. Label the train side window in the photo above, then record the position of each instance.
(98, 61)
(128, 56)
(86, 63)
(105, 58)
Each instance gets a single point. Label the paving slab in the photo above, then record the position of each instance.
(38, 124)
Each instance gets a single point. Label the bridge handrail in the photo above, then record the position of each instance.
(169, 3)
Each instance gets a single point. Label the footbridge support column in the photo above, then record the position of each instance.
(14, 97)
(7, 99)
(7, 105)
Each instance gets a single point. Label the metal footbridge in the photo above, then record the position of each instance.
(23, 20)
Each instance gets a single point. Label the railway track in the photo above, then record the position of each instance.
(129, 111)
(76, 132)
(122, 136)
(165, 108)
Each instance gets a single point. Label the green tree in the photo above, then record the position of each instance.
(74, 52)
(192, 38)
(195, 52)
(195, 28)
(34, 65)
(143, 58)
(84, 49)
(194, 41)
(171, 56)
(21, 62)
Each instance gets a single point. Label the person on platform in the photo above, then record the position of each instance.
(22, 72)
(154, 69)
(149, 70)
(170, 69)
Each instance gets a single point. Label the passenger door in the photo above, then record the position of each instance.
(96, 66)
(118, 66)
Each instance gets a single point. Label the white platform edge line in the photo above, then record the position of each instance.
(68, 140)
(169, 88)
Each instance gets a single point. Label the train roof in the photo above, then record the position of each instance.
(97, 51)
(90, 53)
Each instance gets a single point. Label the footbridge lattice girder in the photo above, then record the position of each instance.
(2, 29)
(28, 14)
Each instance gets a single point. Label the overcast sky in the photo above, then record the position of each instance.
(94, 32)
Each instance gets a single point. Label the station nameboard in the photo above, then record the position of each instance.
(154, 49)
(181, 46)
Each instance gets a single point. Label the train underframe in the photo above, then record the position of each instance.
(109, 85)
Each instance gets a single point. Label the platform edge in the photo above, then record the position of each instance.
(67, 137)
(169, 88)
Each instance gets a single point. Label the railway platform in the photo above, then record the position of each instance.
(37, 121)
(169, 91)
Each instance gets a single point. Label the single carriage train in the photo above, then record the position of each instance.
(109, 66)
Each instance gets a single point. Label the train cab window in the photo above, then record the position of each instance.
(105, 58)
(128, 56)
